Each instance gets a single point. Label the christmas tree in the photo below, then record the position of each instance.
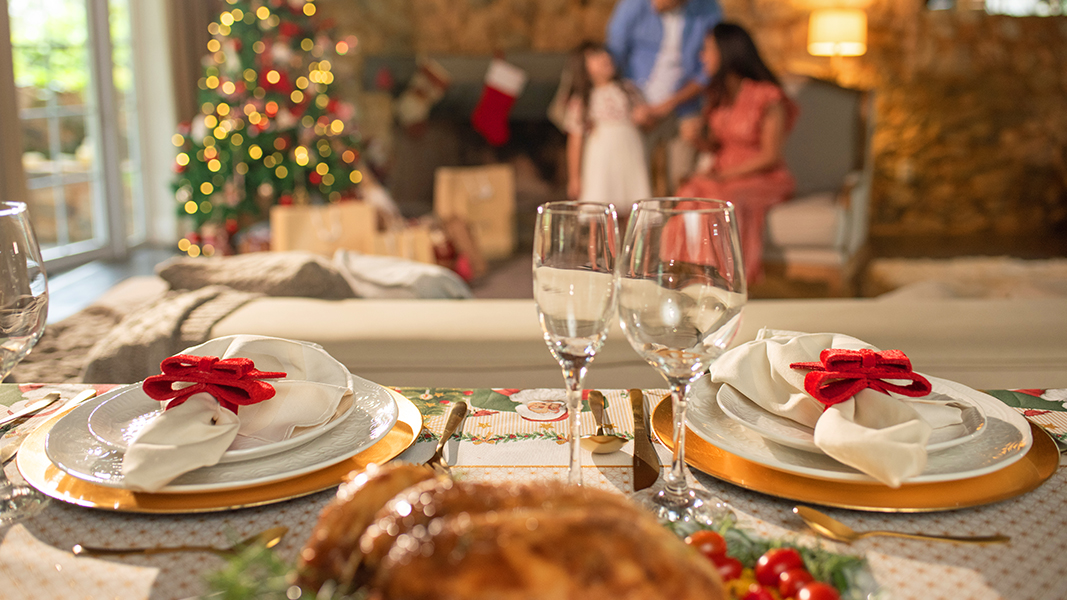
(268, 131)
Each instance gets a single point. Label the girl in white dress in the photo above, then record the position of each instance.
(605, 151)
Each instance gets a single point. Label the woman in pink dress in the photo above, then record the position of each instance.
(748, 119)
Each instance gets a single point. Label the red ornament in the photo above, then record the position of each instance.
(841, 374)
(234, 382)
(178, 167)
(285, 200)
(331, 106)
(289, 29)
(231, 226)
(315, 178)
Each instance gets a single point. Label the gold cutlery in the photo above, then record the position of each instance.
(31, 409)
(829, 527)
(455, 417)
(14, 442)
(606, 440)
(267, 538)
(645, 463)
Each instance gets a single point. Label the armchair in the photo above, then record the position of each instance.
(821, 234)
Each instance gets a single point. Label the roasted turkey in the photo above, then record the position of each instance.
(401, 532)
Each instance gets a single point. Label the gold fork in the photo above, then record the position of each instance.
(455, 417)
(267, 538)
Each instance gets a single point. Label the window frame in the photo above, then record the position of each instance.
(110, 240)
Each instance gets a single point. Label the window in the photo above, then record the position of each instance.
(77, 111)
(1026, 8)
(1014, 8)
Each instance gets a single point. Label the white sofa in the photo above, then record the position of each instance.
(986, 344)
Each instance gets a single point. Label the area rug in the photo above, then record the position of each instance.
(966, 277)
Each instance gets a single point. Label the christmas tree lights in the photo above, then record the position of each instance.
(269, 130)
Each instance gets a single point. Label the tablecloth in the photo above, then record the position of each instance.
(513, 434)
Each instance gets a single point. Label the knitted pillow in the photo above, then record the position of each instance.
(294, 273)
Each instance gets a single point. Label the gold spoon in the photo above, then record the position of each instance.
(829, 527)
(455, 416)
(605, 440)
(268, 538)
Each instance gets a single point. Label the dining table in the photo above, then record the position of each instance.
(496, 442)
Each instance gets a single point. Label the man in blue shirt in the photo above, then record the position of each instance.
(657, 44)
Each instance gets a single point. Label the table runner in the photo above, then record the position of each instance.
(512, 434)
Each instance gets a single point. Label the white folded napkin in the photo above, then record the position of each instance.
(881, 435)
(198, 432)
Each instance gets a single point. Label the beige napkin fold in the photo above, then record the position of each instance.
(881, 435)
(198, 432)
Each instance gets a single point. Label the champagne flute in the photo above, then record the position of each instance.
(681, 291)
(23, 308)
(574, 288)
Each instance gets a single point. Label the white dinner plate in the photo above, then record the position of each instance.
(121, 416)
(788, 432)
(74, 449)
(1006, 438)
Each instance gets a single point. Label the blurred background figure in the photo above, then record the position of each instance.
(656, 44)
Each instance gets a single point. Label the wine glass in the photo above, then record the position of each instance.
(574, 288)
(23, 308)
(681, 291)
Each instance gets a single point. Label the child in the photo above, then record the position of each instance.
(605, 150)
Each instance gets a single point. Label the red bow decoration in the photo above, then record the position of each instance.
(234, 382)
(841, 374)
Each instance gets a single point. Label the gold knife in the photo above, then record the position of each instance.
(31, 408)
(646, 462)
(13, 440)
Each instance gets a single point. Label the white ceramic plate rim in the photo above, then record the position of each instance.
(131, 401)
(73, 448)
(784, 431)
(756, 450)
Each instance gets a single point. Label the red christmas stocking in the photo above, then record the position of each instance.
(503, 84)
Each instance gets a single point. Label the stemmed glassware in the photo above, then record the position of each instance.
(681, 291)
(574, 288)
(23, 308)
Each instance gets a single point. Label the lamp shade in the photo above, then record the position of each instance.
(837, 32)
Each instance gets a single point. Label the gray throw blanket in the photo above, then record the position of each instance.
(124, 343)
(135, 347)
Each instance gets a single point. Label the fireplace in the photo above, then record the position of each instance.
(536, 148)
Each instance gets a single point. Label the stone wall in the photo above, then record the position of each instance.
(971, 108)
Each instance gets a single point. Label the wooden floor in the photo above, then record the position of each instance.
(73, 290)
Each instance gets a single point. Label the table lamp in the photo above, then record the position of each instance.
(837, 32)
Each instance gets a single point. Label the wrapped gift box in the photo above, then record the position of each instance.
(484, 197)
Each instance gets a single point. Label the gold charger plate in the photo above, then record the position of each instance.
(39, 472)
(1016, 479)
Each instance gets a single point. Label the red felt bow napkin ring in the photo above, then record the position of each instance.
(234, 382)
(841, 374)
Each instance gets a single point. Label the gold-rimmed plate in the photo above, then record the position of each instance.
(39, 472)
(1018, 478)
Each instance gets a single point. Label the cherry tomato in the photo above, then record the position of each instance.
(729, 568)
(791, 580)
(757, 592)
(708, 543)
(774, 562)
(817, 590)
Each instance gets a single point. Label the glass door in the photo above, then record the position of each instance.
(74, 89)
